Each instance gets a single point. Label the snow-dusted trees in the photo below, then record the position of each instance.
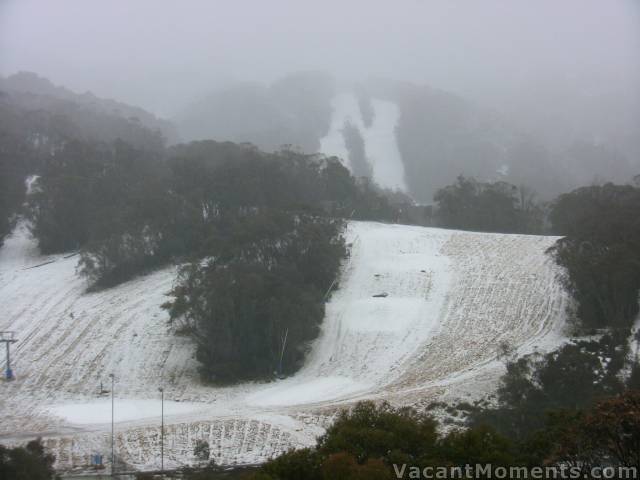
(254, 305)
(488, 207)
(601, 252)
(129, 210)
(259, 233)
(84, 191)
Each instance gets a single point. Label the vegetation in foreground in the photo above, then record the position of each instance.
(30, 462)
(373, 441)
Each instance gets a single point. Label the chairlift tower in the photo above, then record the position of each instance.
(8, 337)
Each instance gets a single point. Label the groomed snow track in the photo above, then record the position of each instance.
(451, 299)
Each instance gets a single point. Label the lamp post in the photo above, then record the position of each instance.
(113, 464)
(8, 338)
(161, 429)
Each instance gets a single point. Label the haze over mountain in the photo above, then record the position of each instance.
(336, 239)
(545, 93)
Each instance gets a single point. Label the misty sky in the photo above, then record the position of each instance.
(161, 54)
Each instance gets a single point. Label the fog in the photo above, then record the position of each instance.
(161, 55)
(544, 93)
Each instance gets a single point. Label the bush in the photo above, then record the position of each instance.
(201, 450)
(84, 189)
(607, 434)
(30, 462)
(253, 308)
(571, 378)
(370, 431)
(367, 441)
(12, 177)
(189, 206)
(487, 207)
(601, 252)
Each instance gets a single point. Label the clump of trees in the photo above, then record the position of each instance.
(488, 207)
(40, 126)
(128, 210)
(374, 442)
(62, 113)
(258, 235)
(16, 160)
(600, 251)
(571, 378)
(607, 434)
(84, 189)
(362, 443)
(271, 238)
(254, 306)
(30, 462)
(12, 189)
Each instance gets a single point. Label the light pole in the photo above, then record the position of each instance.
(161, 429)
(8, 338)
(113, 464)
(284, 344)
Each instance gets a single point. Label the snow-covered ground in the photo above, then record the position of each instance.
(452, 299)
(381, 147)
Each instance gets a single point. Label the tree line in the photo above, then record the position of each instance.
(237, 219)
(600, 251)
(372, 441)
(258, 235)
(499, 206)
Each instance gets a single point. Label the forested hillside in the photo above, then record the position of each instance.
(36, 127)
(293, 110)
(92, 116)
(601, 252)
(238, 219)
(489, 207)
(326, 240)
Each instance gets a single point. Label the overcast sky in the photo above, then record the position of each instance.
(161, 54)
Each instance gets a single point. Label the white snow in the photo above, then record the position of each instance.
(312, 390)
(345, 109)
(452, 298)
(380, 138)
(123, 410)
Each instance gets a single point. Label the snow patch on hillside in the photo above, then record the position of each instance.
(380, 138)
(124, 410)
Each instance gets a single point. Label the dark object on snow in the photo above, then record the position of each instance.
(381, 295)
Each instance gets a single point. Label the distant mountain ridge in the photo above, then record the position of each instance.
(34, 92)
(295, 110)
(439, 135)
(430, 136)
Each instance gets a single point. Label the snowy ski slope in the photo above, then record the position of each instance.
(452, 298)
(380, 143)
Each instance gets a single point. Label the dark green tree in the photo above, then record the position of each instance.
(600, 251)
(30, 462)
